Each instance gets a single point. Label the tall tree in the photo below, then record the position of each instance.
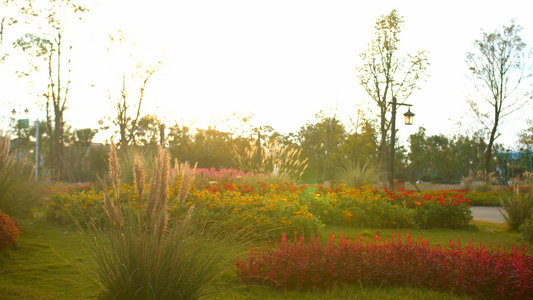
(322, 143)
(385, 73)
(53, 20)
(497, 67)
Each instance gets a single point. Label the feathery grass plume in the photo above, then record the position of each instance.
(112, 211)
(138, 178)
(6, 161)
(162, 174)
(468, 180)
(163, 162)
(159, 185)
(138, 175)
(114, 167)
(153, 201)
(357, 175)
(188, 176)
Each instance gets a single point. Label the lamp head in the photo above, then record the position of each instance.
(409, 117)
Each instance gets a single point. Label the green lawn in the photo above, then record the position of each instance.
(43, 265)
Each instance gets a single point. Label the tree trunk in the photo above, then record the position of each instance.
(383, 149)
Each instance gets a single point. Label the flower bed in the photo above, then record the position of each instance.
(470, 269)
(278, 208)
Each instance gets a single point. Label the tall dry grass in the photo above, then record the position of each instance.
(518, 205)
(127, 161)
(143, 255)
(278, 160)
(187, 175)
(19, 193)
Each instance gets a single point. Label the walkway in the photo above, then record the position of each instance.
(491, 214)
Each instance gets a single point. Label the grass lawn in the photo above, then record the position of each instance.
(42, 266)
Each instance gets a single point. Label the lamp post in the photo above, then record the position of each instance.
(408, 121)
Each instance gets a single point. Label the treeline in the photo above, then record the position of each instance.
(326, 145)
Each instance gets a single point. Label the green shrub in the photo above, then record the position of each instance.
(485, 187)
(484, 198)
(9, 231)
(434, 214)
(83, 205)
(526, 230)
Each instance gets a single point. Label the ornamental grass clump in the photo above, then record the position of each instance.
(18, 190)
(282, 162)
(142, 255)
(518, 206)
(357, 175)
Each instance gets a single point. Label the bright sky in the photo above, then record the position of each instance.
(282, 61)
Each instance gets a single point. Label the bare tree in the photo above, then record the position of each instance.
(5, 20)
(497, 65)
(385, 74)
(135, 74)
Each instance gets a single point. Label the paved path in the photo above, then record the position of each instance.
(491, 214)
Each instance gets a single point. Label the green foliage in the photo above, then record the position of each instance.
(484, 198)
(442, 159)
(76, 153)
(83, 206)
(526, 230)
(9, 231)
(525, 137)
(518, 205)
(433, 214)
(329, 145)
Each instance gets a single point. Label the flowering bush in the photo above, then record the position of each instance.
(84, 204)
(474, 270)
(385, 208)
(359, 207)
(9, 231)
(271, 208)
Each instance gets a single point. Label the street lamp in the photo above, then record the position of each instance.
(408, 121)
(14, 112)
(409, 116)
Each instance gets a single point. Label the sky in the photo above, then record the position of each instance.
(280, 61)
